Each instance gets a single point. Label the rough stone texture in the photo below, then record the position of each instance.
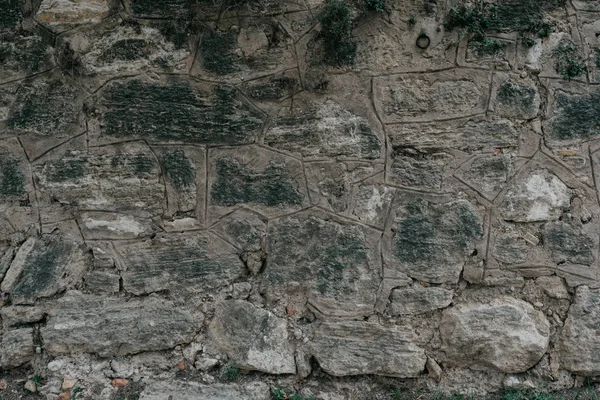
(355, 348)
(579, 343)
(115, 326)
(252, 338)
(506, 334)
(192, 190)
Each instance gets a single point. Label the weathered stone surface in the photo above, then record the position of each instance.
(441, 95)
(259, 179)
(189, 262)
(252, 338)
(575, 117)
(579, 344)
(43, 267)
(517, 99)
(355, 348)
(13, 316)
(538, 196)
(183, 390)
(17, 347)
(489, 174)
(506, 334)
(102, 282)
(59, 12)
(553, 286)
(418, 299)
(122, 178)
(431, 240)
(329, 262)
(112, 326)
(568, 244)
(176, 111)
(324, 130)
(23, 56)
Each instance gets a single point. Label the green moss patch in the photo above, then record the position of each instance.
(336, 33)
(216, 50)
(569, 64)
(236, 184)
(519, 97)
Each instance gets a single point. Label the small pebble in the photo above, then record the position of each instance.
(538, 304)
(55, 365)
(30, 385)
(38, 350)
(119, 382)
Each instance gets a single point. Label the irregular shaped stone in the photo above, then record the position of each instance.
(43, 267)
(23, 56)
(273, 88)
(252, 338)
(176, 111)
(539, 196)
(506, 334)
(66, 12)
(418, 299)
(183, 390)
(329, 262)
(511, 248)
(12, 175)
(324, 130)
(357, 348)
(371, 203)
(19, 315)
(419, 168)
(470, 136)
(579, 340)
(17, 347)
(553, 286)
(109, 326)
(489, 174)
(102, 282)
(516, 99)
(568, 243)
(575, 117)
(434, 96)
(121, 178)
(431, 241)
(187, 262)
(260, 179)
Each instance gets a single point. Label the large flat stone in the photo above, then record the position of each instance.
(188, 262)
(59, 12)
(43, 267)
(331, 263)
(252, 338)
(505, 334)
(357, 348)
(419, 299)
(109, 326)
(580, 338)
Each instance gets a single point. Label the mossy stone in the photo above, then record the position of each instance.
(12, 178)
(178, 169)
(577, 116)
(216, 50)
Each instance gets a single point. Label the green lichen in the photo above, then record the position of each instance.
(577, 116)
(12, 179)
(488, 47)
(126, 50)
(521, 97)
(569, 64)
(236, 184)
(216, 50)
(177, 112)
(336, 32)
(179, 170)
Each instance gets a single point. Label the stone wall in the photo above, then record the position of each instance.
(194, 204)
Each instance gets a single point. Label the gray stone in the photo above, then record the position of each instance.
(568, 243)
(180, 390)
(102, 282)
(17, 347)
(112, 326)
(539, 196)
(419, 299)
(252, 338)
(517, 99)
(43, 267)
(19, 315)
(506, 334)
(334, 264)
(434, 369)
(431, 241)
(190, 262)
(579, 342)
(553, 286)
(356, 348)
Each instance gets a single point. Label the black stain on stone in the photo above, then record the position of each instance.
(577, 116)
(216, 50)
(178, 169)
(236, 184)
(66, 169)
(428, 232)
(47, 109)
(126, 50)
(10, 13)
(519, 97)
(12, 179)
(42, 268)
(177, 112)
